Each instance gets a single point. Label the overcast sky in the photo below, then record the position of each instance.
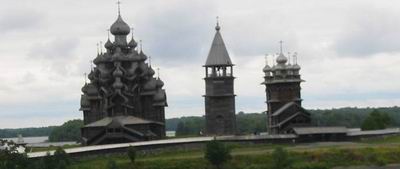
(349, 51)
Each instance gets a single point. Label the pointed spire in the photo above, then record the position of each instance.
(119, 7)
(280, 42)
(97, 46)
(101, 47)
(217, 27)
(218, 55)
(158, 73)
(132, 32)
(84, 76)
(266, 59)
(108, 34)
(91, 65)
(141, 45)
(150, 61)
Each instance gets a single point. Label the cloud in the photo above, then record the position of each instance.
(177, 32)
(21, 20)
(58, 54)
(372, 31)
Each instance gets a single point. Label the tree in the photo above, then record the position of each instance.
(280, 158)
(69, 131)
(61, 156)
(217, 153)
(181, 129)
(132, 154)
(376, 120)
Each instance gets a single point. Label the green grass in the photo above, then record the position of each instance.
(383, 140)
(258, 156)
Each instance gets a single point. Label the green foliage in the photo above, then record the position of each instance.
(26, 132)
(248, 123)
(280, 158)
(69, 131)
(13, 160)
(376, 120)
(132, 154)
(311, 166)
(251, 122)
(112, 164)
(61, 156)
(217, 153)
(189, 126)
(351, 117)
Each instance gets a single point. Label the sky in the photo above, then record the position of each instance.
(349, 51)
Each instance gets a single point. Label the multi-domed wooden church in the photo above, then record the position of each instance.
(123, 102)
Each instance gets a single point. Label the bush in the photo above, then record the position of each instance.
(376, 120)
(132, 154)
(69, 131)
(280, 158)
(61, 156)
(311, 166)
(217, 153)
(112, 164)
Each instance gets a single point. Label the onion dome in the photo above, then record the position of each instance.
(91, 75)
(119, 27)
(85, 103)
(142, 56)
(281, 59)
(150, 85)
(85, 88)
(92, 90)
(108, 44)
(132, 43)
(117, 84)
(117, 72)
(159, 96)
(142, 67)
(217, 28)
(296, 67)
(150, 71)
(267, 68)
(159, 83)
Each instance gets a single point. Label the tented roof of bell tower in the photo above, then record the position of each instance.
(218, 55)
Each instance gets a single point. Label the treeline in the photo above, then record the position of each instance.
(26, 132)
(195, 125)
(256, 122)
(351, 117)
(69, 131)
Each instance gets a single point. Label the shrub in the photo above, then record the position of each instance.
(280, 158)
(112, 164)
(61, 156)
(217, 153)
(132, 154)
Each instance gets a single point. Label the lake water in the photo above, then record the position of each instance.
(41, 142)
(30, 140)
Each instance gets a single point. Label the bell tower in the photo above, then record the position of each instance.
(219, 97)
